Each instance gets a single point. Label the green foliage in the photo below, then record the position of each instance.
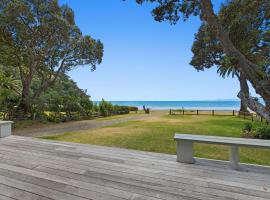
(121, 109)
(247, 23)
(87, 106)
(9, 93)
(262, 132)
(173, 11)
(247, 127)
(66, 101)
(42, 42)
(61, 102)
(105, 108)
(132, 108)
(247, 131)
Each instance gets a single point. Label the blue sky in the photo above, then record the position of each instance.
(143, 59)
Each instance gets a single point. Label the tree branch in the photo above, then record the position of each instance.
(250, 69)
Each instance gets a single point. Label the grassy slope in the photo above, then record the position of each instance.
(156, 134)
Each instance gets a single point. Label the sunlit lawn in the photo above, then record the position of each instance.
(156, 132)
(120, 116)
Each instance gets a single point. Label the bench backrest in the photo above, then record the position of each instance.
(223, 140)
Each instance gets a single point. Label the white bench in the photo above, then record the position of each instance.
(185, 146)
(5, 128)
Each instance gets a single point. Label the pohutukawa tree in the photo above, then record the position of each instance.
(247, 30)
(255, 72)
(41, 39)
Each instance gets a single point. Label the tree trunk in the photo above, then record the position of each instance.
(255, 105)
(251, 70)
(244, 89)
(243, 106)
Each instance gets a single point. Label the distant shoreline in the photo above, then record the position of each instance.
(201, 109)
(191, 105)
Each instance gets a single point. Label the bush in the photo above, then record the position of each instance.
(247, 127)
(132, 108)
(121, 109)
(52, 117)
(262, 132)
(105, 108)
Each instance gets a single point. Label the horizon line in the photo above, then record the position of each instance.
(174, 100)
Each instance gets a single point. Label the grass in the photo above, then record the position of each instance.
(21, 124)
(119, 116)
(155, 133)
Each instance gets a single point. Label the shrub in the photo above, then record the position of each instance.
(125, 109)
(52, 117)
(105, 108)
(121, 109)
(247, 127)
(133, 108)
(248, 131)
(262, 132)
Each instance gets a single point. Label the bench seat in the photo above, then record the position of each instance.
(5, 128)
(185, 146)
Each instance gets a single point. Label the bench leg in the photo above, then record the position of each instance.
(185, 152)
(234, 157)
(5, 130)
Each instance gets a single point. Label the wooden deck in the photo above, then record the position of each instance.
(33, 169)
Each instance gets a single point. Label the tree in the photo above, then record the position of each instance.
(231, 71)
(87, 105)
(65, 96)
(256, 74)
(9, 94)
(105, 108)
(41, 40)
(9, 83)
(247, 30)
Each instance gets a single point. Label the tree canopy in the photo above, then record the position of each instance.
(41, 40)
(248, 31)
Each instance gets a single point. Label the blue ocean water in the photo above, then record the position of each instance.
(165, 105)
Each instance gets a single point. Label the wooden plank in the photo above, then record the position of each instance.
(113, 185)
(161, 192)
(62, 183)
(235, 174)
(229, 171)
(75, 170)
(41, 191)
(60, 186)
(14, 193)
(86, 170)
(95, 162)
(5, 198)
(155, 190)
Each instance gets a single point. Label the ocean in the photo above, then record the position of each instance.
(201, 105)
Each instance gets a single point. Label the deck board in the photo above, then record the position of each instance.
(40, 169)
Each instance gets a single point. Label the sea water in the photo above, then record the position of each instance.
(165, 105)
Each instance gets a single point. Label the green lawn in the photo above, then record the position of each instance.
(156, 132)
(120, 116)
(30, 123)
